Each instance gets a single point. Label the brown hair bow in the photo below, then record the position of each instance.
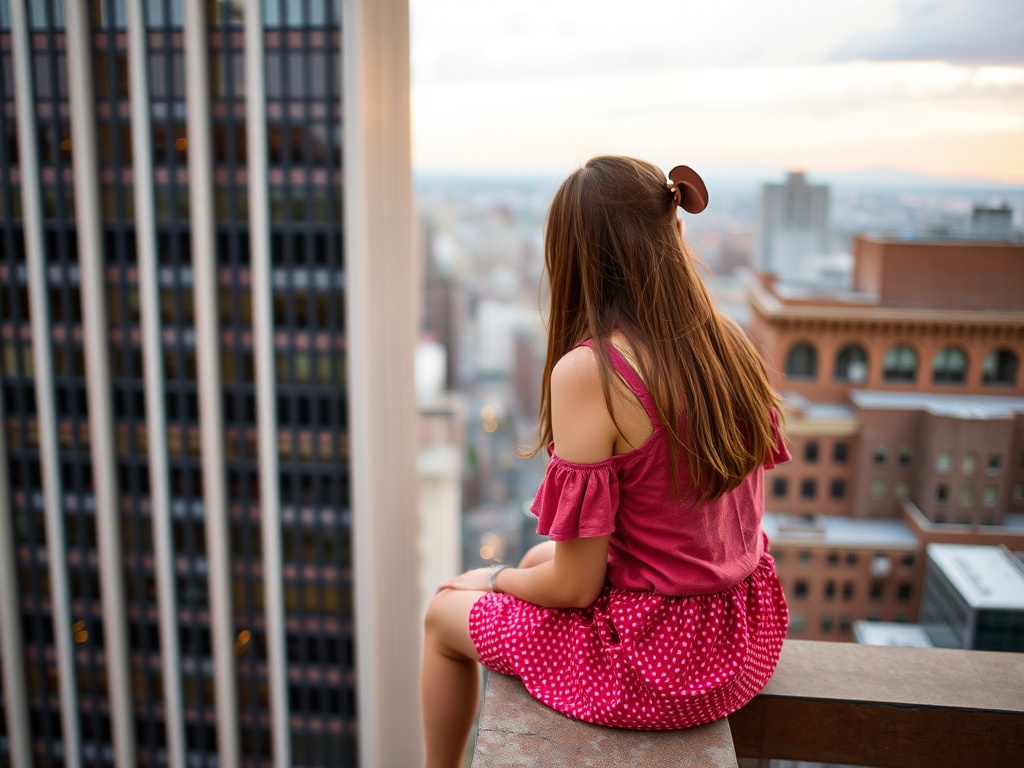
(688, 189)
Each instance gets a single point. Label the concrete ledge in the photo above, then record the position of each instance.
(827, 702)
(873, 705)
(517, 730)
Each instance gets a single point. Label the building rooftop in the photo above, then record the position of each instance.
(817, 411)
(937, 238)
(838, 531)
(954, 406)
(986, 577)
(891, 633)
(789, 290)
(1013, 520)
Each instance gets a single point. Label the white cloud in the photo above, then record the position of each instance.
(543, 86)
(464, 40)
(973, 32)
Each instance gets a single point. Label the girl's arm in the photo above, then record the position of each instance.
(584, 433)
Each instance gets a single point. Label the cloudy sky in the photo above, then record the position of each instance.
(932, 86)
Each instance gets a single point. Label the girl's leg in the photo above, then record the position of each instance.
(537, 554)
(450, 682)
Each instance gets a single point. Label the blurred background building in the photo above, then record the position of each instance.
(905, 414)
(185, 322)
(795, 232)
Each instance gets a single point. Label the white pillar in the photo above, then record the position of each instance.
(211, 422)
(381, 321)
(153, 371)
(42, 351)
(12, 659)
(266, 392)
(97, 373)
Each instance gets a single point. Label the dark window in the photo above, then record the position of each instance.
(903, 592)
(837, 489)
(780, 487)
(802, 362)
(905, 456)
(900, 364)
(852, 364)
(833, 558)
(877, 590)
(809, 488)
(804, 558)
(949, 366)
(851, 558)
(800, 589)
(1000, 367)
(830, 590)
(826, 623)
(811, 452)
(848, 590)
(840, 453)
(942, 493)
(881, 454)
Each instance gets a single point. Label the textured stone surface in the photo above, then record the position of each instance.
(516, 730)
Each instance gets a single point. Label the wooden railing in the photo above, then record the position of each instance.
(827, 702)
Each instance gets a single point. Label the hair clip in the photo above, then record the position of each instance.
(688, 189)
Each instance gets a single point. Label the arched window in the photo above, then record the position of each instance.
(949, 366)
(802, 361)
(900, 364)
(1000, 367)
(852, 364)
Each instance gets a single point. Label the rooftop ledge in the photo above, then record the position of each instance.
(827, 702)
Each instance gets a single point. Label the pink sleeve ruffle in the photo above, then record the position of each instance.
(780, 453)
(576, 501)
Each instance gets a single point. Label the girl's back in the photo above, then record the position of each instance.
(659, 543)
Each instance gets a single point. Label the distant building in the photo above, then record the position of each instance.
(891, 633)
(904, 401)
(908, 388)
(942, 316)
(443, 312)
(973, 598)
(794, 226)
(836, 571)
(955, 457)
(989, 223)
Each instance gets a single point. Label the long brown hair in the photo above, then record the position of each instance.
(615, 262)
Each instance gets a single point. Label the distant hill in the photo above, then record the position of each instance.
(734, 176)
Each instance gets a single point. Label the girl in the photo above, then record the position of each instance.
(655, 605)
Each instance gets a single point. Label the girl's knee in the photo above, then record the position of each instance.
(446, 623)
(434, 619)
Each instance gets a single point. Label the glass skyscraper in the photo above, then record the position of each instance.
(178, 530)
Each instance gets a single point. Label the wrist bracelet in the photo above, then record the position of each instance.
(491, 586)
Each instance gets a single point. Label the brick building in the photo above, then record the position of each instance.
(904, 404)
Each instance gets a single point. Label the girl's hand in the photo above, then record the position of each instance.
(475, 580)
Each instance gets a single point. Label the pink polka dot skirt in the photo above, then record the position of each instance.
(640, 660)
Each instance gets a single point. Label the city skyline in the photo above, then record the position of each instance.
(928, 88)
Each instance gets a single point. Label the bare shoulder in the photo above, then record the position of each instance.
(576, 371)
(583, 428)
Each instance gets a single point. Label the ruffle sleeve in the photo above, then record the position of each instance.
(576, 501)
(780, 453)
